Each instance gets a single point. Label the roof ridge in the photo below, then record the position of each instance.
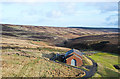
(73, 50)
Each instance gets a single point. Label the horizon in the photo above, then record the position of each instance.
(61, 14)
(65, 26)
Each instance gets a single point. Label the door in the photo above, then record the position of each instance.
(73, 62)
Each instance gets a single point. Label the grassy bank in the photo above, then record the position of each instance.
(20, 66)
(105, 63)
(21, 58)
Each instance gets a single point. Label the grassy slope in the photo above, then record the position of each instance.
(20, 66)
(105, 63)
(21, 58)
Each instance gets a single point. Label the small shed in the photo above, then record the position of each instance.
(74, 57)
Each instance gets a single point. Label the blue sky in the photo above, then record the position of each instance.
(85, 14)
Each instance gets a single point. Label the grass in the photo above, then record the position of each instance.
(19, 65)
(105, 63)
(87, 61)
(53, 50)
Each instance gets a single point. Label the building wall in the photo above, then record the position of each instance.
(78, 61)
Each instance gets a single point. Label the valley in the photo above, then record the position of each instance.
(26, 50)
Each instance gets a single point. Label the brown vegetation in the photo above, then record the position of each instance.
(26, 50)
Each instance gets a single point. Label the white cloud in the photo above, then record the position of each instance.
(54, 14)
(65, 13)
(90, 12)
(67, 8)
(112, 20)
(104, 6)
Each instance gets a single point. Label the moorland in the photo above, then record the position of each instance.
(26, 50)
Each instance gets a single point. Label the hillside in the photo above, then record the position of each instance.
(52, 35)
(79, 38)
(106, 42)
(99, 29)
(23, 57)
(26, 50)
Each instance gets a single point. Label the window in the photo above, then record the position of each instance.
(73, 62)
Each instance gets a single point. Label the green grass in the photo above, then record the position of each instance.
(86, 61)
(105, 63)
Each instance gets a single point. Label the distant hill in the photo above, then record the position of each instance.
(71, 37)
(100, 29)
(106, 43)
(53, 35)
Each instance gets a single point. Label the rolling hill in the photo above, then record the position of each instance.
(52, 35)
(26, 50)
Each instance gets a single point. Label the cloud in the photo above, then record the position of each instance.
(112, 17)
(105, 6)
(54, 14)
(112, 20)
(68, 7)
(31, 12)
(95, 12)
(65, 13)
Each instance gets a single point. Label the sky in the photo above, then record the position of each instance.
(60, 14)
